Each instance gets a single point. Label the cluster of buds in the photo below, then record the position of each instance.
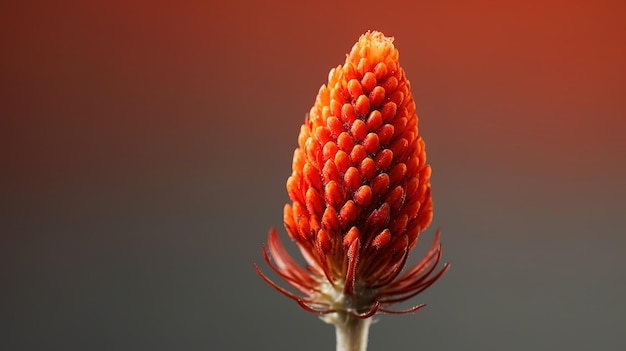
(360, 192)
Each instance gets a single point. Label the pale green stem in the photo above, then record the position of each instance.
(351, 332)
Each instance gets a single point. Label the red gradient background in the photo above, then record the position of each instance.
(144, 148)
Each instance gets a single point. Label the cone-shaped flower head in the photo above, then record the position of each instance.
(360, 191)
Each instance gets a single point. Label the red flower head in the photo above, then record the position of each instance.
(360, 191)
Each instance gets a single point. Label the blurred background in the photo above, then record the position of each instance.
(145, 148)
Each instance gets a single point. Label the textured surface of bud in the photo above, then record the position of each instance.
(360, 191)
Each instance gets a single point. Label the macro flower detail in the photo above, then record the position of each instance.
(360, 193)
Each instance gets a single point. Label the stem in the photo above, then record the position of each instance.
(351, 332)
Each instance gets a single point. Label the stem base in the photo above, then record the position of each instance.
(351, 332)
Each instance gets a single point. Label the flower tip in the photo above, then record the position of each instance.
(374, 45)
(375, 36)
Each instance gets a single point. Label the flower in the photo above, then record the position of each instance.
(360, 192)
